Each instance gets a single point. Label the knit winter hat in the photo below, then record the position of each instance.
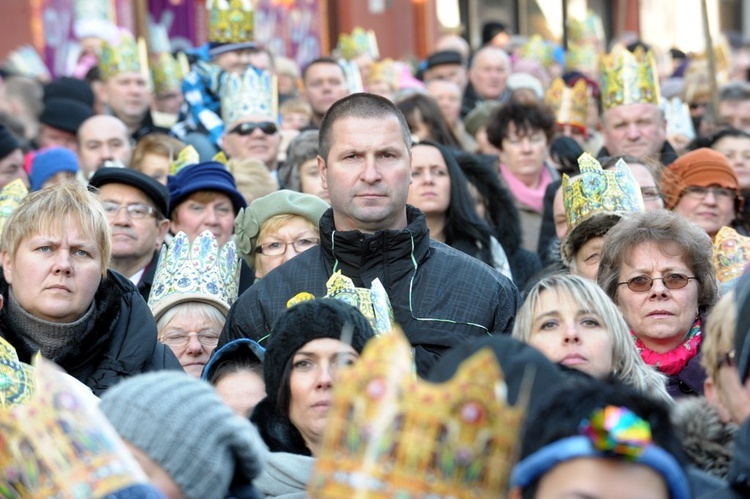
(208, 176)
(703, 167)
(49, 162)
(249, 220)
(182, 424)
(305, 322)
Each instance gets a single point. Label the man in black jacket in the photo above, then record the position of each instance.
(440, 297)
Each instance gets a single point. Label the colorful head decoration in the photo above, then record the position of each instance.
(678, 118)
(231, 22)
(538, 49)
(571, 105)
(360, 42)
(26, 61)
(731, 254)
(168, 73)
(128, 56)
(629, 78)
(588, 29)
(16, 378)
(612, 433)
(199, 271)
(392, 435)
(384, 71)
(10, 197)
(254, 92)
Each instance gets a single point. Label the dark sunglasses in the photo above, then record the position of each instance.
(249, 127)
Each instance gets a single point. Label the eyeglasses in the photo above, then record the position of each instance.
(697, 192)
(249, 127)
(726, 360)
(278, 248)
(643, 283)
(698, 105)
(136, 211)
(207, 338)
(650, 193)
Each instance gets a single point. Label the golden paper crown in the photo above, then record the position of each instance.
(597, 191)
(571, 105)
(16, 377)
(167, 73)
(230, 21)
(59, 444)
(10, 197)
(538, 49)
(391, 435)
(189, 157)
(253, 92)
(583, 57)
(383, 71)
(590, 28)
(629, 78)
(358, 43)
(731, 254)
(198, 271)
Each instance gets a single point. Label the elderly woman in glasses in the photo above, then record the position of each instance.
(703, 187)
(278, 227)
(656, 267)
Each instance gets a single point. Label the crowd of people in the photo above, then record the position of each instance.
(215, 258)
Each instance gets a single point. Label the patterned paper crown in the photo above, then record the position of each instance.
(588, 29)
(383, 71)
(253, 92)
(128, 56)
(358, 43)
(571, 105)
(10, 197)
(391, 435)
(538, 49)
(167, 72)
(731, 254)
(197, 271)
(26, 61)
(583, 57)
(629, 78)
(58, 444)
(597, 191)
(230, 21)
(16, 378)
(678, 118)
(190, 157)
(353, 76)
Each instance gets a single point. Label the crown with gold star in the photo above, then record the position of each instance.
(570, 104)
(390, 434)
(731, 254)
(195, 271)
(360, 42)
(597, 190)
(538, 49)
(253, 92)
(167, 72)
(10, 197)
(230, 21)
(629, 78)
(128, 56)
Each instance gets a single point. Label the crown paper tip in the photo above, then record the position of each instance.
(731, 254)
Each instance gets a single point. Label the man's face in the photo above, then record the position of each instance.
(11, 168)
(132, 238)
(451, 72)
(488, 73)
(100, 139)
(253, 142)
(128, 96)
(367, 174)
(325, 83)
(448, 96)
(635, 129)
(54, 137)
(735, 113)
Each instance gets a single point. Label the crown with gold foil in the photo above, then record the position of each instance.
(589, 29)
(167, 73)
(230, 21)
(571, 105)
(58, 443)
(198, 271)
(583, 57)
(597, 191)
(538, 49)
(731, 254)
(358, 43)
(390, 434)
(629, 78)
(10, 197)
(383, 71)
(16, 377)
(188, 156)
(254, 92)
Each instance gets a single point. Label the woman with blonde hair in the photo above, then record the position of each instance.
(573, 322)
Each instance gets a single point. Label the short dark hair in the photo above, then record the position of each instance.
(525, 116)
(322, 60)
(360, 105)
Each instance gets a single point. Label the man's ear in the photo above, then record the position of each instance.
(322, 169)
(162, 228)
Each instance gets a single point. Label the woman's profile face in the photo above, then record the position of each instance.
(568, 333)
(310, 181)
(313, 374)
(54, 274)
(430, 190)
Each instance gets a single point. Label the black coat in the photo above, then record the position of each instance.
(440, 296)
(122, 342)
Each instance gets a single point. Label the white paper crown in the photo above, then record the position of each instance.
(252, 92)
(197, 271)
(678, 118)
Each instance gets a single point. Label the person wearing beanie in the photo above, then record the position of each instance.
(52, 166)
(187, 440)
(703, 187)
(445, 65)
(60, 121)
(11, 158)
(278, 227)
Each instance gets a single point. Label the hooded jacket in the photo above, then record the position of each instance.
(440, 296)
(122, 342)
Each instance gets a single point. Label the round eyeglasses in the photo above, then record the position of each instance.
(643, 283)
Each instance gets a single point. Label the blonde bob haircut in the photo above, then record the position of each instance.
(45, 211)
(275, 223)
(627, 365)
(718, 339)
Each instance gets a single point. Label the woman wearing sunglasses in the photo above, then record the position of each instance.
(656, 267)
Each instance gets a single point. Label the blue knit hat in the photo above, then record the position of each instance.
(208, 176)
(49, 162)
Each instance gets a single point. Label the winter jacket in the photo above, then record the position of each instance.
(689, 381)
(440, 296)
(739, 469)
(122, 342)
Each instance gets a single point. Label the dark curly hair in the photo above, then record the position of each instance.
(526, 117)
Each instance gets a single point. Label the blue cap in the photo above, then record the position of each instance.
(208, 176)
(49, 162)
